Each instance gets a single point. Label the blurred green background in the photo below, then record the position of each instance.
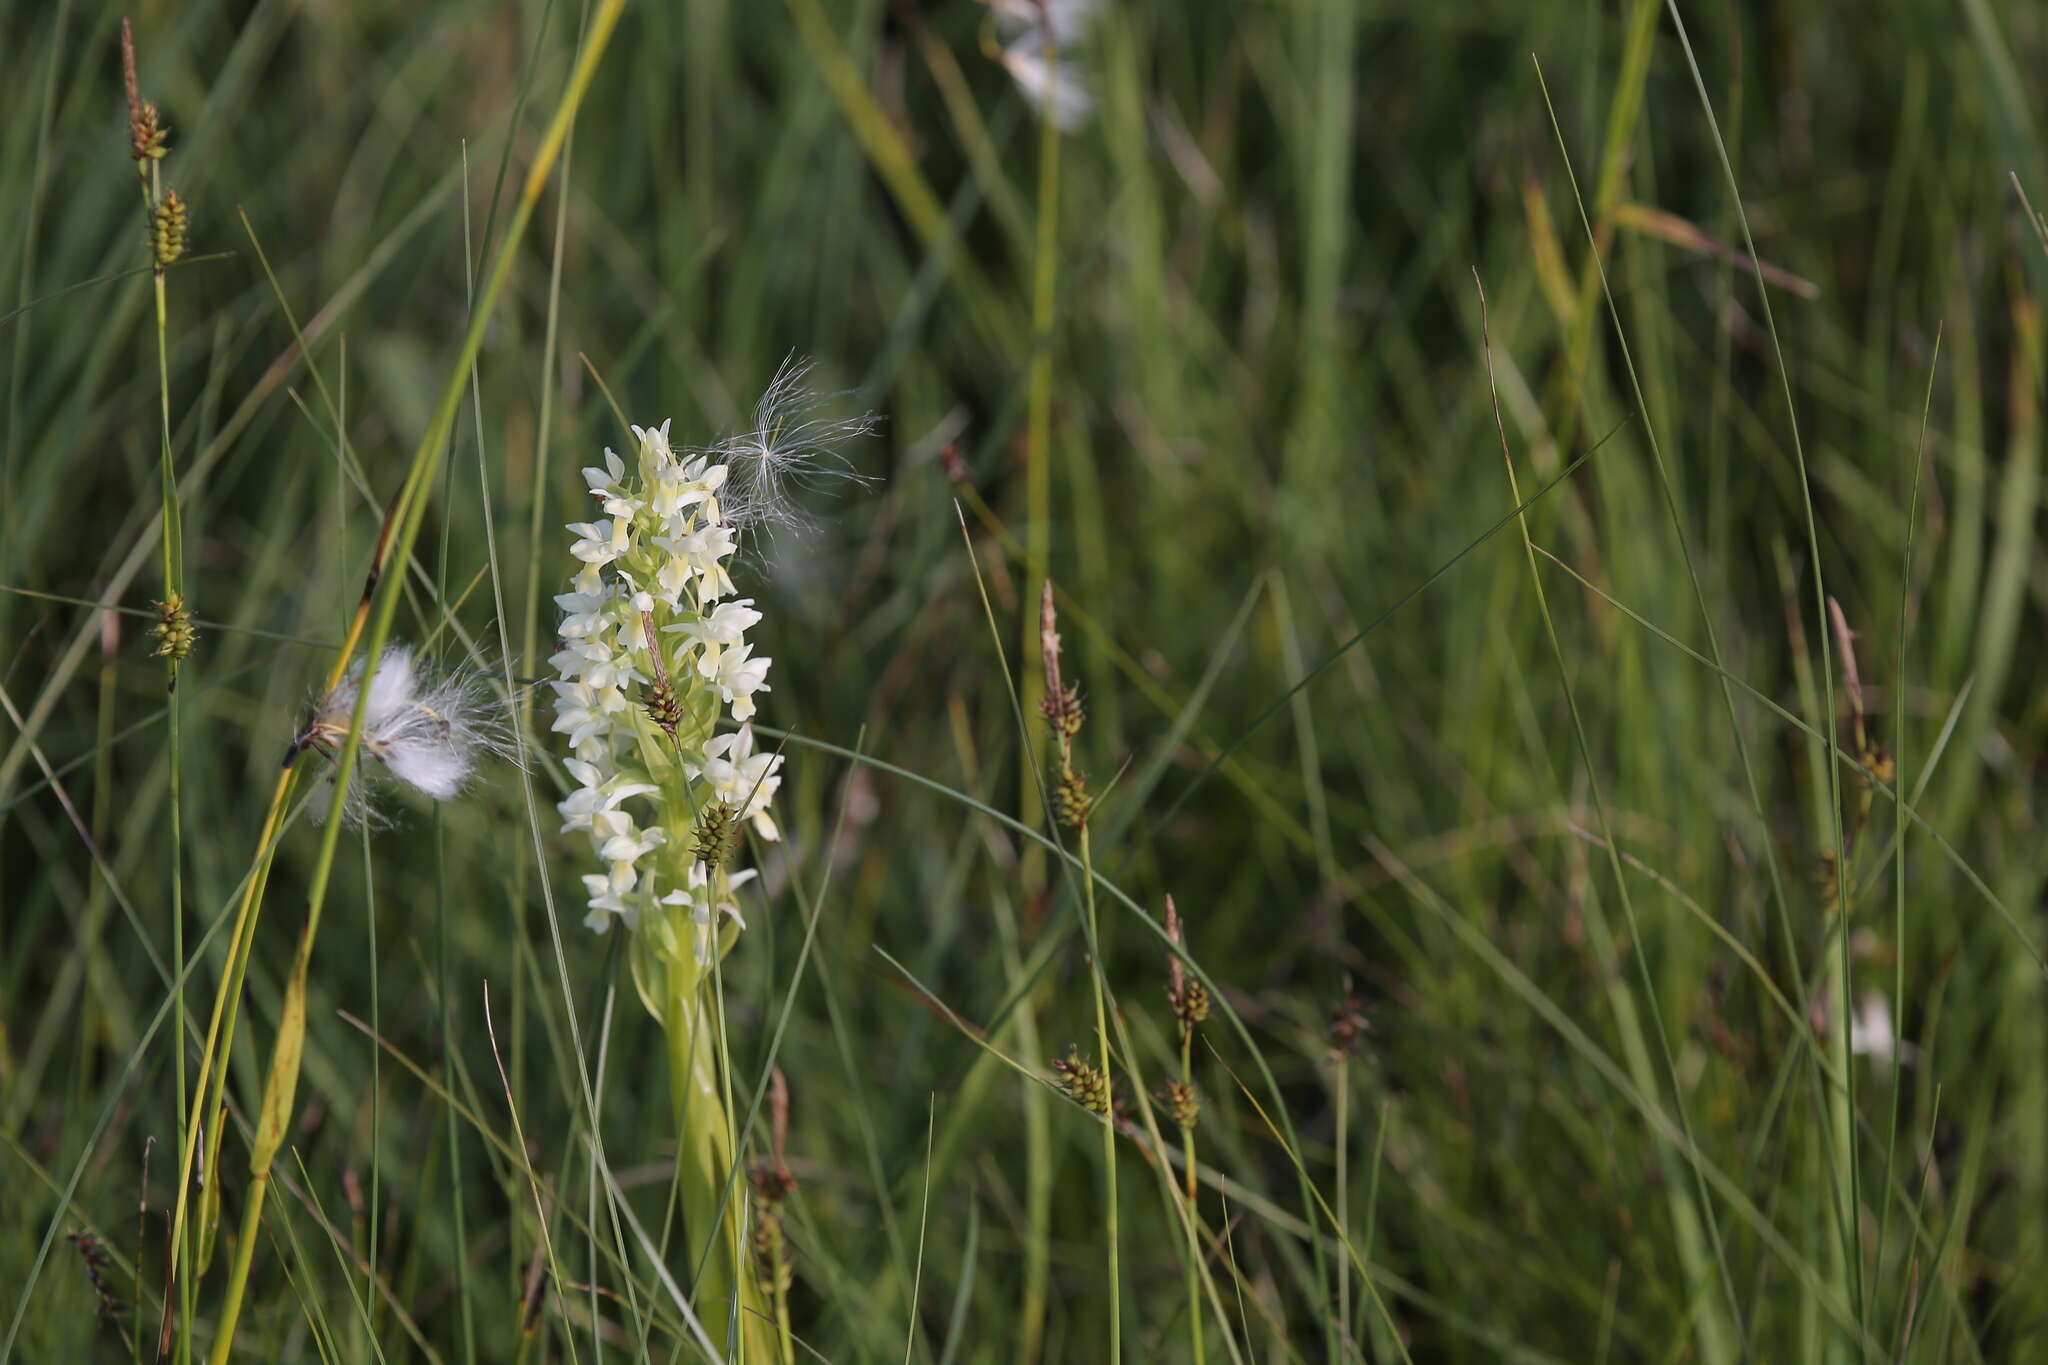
(1586, 1118)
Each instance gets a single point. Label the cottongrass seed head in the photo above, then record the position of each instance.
(1065, 21)
(1039, 53)
(794, 445)
(425, 729)
(1055, 88)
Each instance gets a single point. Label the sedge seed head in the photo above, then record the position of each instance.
(167, 229)
(92, 1254)
(772, 1181)
(1348, 1027)
(1187, 995)
(1071, 800)
(1064, 711)
(716, 835)
(1082, 1082)
(772, 1266)
(1181, 1103)
(146, 133)
(175, 634)
(664, 708)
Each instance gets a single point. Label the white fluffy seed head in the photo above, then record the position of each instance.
(1040, 54)
(1058, 90)
(391, 689)
(426, 730)
(1067, 20)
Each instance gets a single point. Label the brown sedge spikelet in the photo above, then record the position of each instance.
(168, 215)
(1070, 799)
(772, 1266)
(1874, 766)
(1348, 1025)
(664, 708)
(93, 1253)
(146, 133)
(1188, 997)
(1063, 711)
(1871, 756)
(1180, 1102)
(1061, 703)
(1082, 1082)
(1852, 680)
(771, 1183)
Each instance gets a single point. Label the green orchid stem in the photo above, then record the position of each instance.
(712, 1194)
(245, 1250)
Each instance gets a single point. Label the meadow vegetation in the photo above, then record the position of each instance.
(1404, 672)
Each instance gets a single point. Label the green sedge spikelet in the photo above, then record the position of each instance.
(1082, 1082)
(167, 229)
(716, 834)
(175, 634)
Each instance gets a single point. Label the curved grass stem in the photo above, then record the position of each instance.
(1191, 1176)
(208, 1112)
(1109, 1221)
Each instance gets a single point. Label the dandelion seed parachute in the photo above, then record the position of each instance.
(794, 444)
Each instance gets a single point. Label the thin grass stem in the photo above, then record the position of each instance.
(1718, 1338)
(1109, 1207)
(1848, 1194)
